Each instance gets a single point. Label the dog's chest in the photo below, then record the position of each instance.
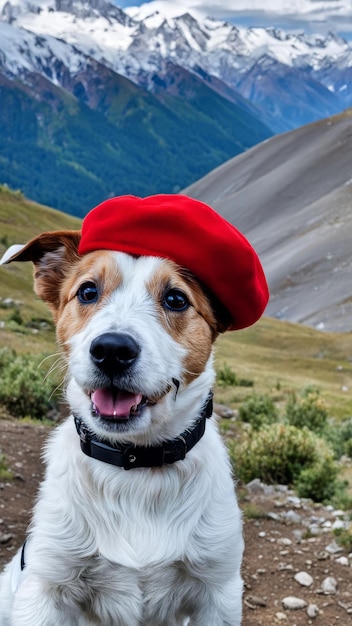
(138, 518)
(147, 523)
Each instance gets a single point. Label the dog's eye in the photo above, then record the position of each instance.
(175, 300)
(87, 293)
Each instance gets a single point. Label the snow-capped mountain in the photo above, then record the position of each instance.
(23, 51)
(96, 101)
(75, 131)
(138, 42)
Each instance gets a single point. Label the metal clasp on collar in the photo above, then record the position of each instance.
(143, 457)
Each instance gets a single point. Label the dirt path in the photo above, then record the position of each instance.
(279, 534)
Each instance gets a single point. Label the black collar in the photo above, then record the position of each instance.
(129, 456)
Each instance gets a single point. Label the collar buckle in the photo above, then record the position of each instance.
(142, 457)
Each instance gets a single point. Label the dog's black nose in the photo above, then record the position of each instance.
(114, 352)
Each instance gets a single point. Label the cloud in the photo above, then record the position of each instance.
(280, 7)
(310, 16)
(321, 9)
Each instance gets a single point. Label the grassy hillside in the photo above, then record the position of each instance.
(277, 356)
(281, 357)
(20, 220)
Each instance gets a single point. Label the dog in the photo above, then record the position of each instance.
(136, 522)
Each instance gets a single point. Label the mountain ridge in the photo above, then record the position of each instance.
(134, 43)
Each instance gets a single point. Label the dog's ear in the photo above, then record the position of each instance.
(222, 316)
(217, 316)
(52, 253)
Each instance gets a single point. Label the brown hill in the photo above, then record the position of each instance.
(292, 197)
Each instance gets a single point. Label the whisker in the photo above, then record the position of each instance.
(56, 367)
(59, 388)
(50, 356)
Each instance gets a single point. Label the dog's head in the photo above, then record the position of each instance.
(137, 326)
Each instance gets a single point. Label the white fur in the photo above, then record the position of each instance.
(151, 547)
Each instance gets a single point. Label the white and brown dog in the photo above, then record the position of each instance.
(137, 521)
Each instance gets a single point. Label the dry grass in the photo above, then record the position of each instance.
(20, 220)
(281, 357)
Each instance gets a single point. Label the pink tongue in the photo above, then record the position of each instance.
(115, 404)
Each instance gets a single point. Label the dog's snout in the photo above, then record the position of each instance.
(114, 352)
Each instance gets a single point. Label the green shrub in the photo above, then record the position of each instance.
(245, 382)
(281, 453)
(23, 392)
(276, 453)
(6, 356)
(347, 443)
(4, 240)
(226, 377)
(307, 410)
(258, 410)
(344, 537)
(339, 437)
(318, 482)
(16, 317)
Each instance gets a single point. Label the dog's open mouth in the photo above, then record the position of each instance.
(117, 404)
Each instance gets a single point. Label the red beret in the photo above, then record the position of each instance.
(192, 235)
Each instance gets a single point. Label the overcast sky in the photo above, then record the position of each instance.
(310, 15)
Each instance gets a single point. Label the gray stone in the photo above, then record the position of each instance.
(333, 548)
(292, 517)
(292, 603)
(312, 611)
(339, 513)
(256, 487)
(295, 501)
(342, 560)
(314, 529)
(298, 534)
(339, 524)
(329, 585)
(304, 579)
(223, 411)
(255, 601)
(8, 302)
(274, 516)
(284, 541)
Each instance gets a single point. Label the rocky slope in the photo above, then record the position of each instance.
(292, 196)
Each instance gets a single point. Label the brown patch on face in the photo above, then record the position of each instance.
(195, 328)
(99, 268)
(59, 271)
